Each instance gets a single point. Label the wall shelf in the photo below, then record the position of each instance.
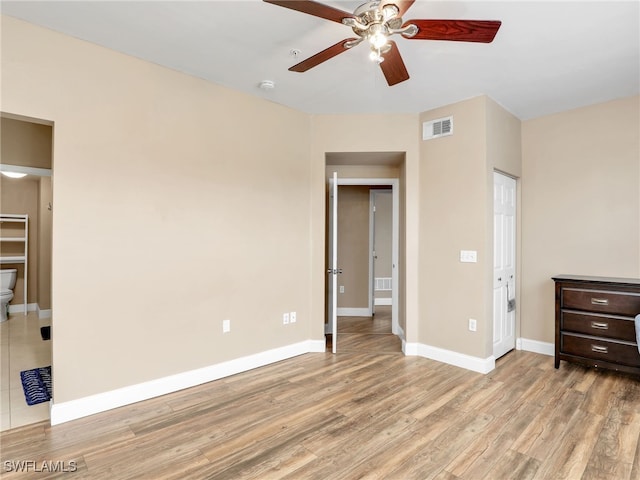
(13, 259)
(21, 237)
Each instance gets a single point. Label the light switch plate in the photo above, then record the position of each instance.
(468, 256)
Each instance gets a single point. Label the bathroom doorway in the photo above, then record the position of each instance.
(26, 192)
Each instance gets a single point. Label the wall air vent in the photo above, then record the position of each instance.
(437, 128)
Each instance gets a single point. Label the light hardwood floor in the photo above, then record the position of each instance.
(360, 414)
(21, 348)
(367, 334)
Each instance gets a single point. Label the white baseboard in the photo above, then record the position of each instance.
(535, 346)
(409, 349)
(353, 312)
(19, 308)
(101, 402)
(400, 333)
(475, 364)
(383, 301)
(43, 313)
(31, 307)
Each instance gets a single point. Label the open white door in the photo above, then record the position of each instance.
(332, 297)
(504, 264)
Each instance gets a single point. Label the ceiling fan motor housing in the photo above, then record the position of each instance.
(370, 21)
(369, 14)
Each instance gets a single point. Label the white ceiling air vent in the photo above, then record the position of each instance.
(437, 128)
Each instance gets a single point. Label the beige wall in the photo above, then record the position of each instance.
(26, 144)
(580, 202)
(166, 219)
(20, 196)
(453, 213)
(353, 246)
(504, 140)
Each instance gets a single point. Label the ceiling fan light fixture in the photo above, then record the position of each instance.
(378, 40)
(378, 35)
(375, 56)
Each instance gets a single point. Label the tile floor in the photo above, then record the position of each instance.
(21, 348)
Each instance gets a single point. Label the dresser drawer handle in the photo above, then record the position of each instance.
(600, 325)
(599, 349)
(599, 301)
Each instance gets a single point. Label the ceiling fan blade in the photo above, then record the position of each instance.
(393, 66)
(322, 56)
(313, 8)
(482, 31)
(403, 5)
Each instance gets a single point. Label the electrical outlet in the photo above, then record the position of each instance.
(292, 317)
(468, 256)
(226, 326)
(285, 319)
(473, 325)
(341, 288)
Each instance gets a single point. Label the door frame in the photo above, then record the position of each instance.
(394, 185)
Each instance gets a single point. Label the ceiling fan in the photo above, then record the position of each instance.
(376, 21)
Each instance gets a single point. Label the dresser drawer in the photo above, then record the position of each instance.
(599, 325)
(617, 303)
(624, 353)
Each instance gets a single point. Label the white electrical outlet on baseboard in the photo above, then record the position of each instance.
(292, 317)
(226, 326)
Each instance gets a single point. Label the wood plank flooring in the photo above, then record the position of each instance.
(358, 415)
(367, 334)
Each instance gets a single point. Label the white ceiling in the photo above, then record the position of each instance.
(548, 56)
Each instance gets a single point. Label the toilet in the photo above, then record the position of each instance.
(7, 282)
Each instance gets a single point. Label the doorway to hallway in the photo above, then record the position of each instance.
(351, 282)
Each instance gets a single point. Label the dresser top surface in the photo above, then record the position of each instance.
(593, 279)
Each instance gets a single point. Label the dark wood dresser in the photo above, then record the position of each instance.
(595, 322)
